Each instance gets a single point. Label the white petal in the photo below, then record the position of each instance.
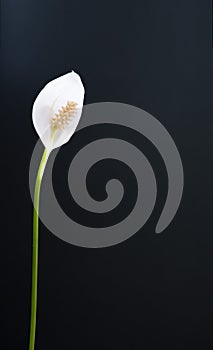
(51, 98)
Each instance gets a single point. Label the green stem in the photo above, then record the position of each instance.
(34, 287)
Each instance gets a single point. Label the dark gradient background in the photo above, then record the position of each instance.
(152, 291)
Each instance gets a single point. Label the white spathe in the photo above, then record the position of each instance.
(53, 97)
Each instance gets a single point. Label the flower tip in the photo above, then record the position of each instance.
(75, 75)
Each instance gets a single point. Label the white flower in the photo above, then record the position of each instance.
(57, 110)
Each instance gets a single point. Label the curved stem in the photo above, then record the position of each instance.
(34, 286)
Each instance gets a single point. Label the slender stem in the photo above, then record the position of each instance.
(34, 286)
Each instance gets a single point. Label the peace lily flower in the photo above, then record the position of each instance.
(56, 114)
(57, 110)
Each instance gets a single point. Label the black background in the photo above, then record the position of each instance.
(152, 291)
